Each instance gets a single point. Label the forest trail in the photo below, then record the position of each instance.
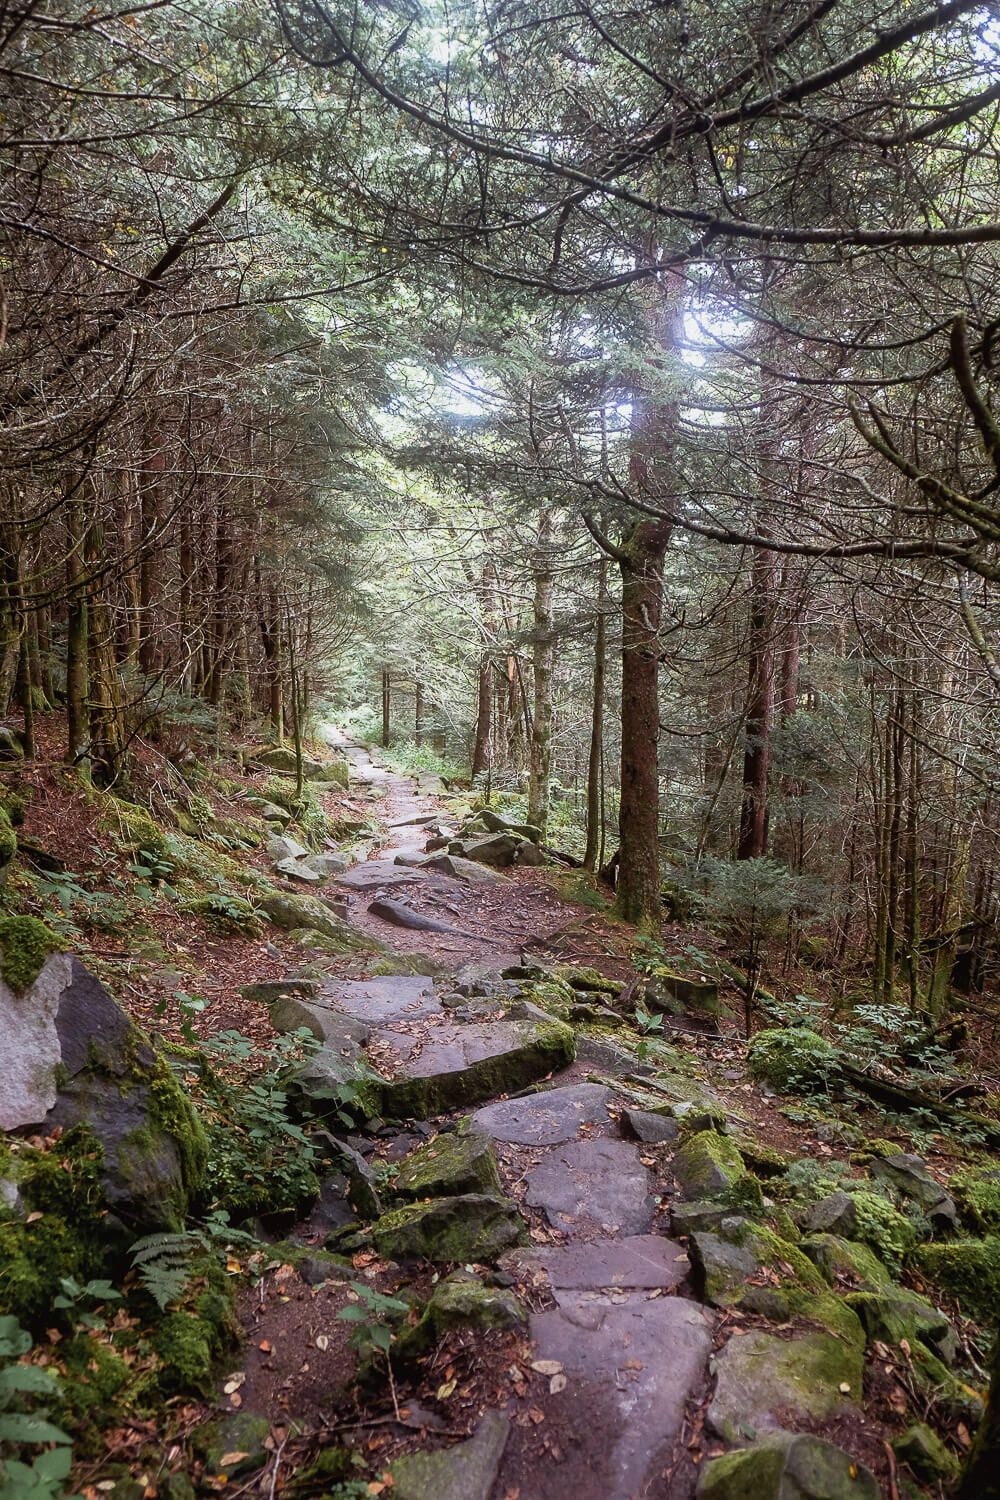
(573, 1350)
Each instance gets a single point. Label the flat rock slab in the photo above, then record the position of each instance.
(545, 1119)
(631, 1367)
(380, 1001)
(374, 872)
(593, 1185)
(766, 1382)
(459, 1064)
(633, 1263)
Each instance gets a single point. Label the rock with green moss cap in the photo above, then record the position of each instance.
(308, 912)
(792, 1060)
(976, 1191)
(968, 1269)
(587, 980)
(462, 1162)
(787, 1466)
(846, 1263)
(893, 1313)
(909, 1176)
(233, 1445)
(924, 1454)
(763, 1379)
(467, 1471)
(460, 1301)
(708, 1166)
(69, 1056)
(473, 1227)
(282, 758)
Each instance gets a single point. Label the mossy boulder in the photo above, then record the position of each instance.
(747, 1265)
(908, 1176)
(787, 1466)
(976, 1191)
(283, 909)
(232, 1445)
(473, 1227)
(881, 1226)
(708, 1166)
(589, 981)
(468, 1471)
(667, 992)
(762, 1378)
(969, 1270)
(460, 1301)
(845, 1263)
(924, 1454)
(70, 1056)
(894, 1313)
(792, 1060)
(463, 1162)
(282, 758)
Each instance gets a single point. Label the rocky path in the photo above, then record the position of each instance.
(565, 1195)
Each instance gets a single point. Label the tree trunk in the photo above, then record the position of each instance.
(543, 658)
(386, 707)
(418, 714)
(981, 1477)
(596, 756)
(759, 716)
(481, 744)
(638, 899)
(77, 631)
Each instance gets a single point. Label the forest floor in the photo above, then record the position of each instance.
(609, 1366)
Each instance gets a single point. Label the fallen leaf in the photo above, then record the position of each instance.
(536, 1415)
(234, 1381)
(546, 1366)
(557, 1384)
(446, 1390)
(34, 1217)
(236, 1400)
(229, 1460)
(264, 1346)
(322, 1341)
(844, 1388)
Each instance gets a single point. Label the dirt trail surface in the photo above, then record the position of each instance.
(568, 1353)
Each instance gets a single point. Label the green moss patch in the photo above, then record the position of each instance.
(792, 1060)
(25, 944)
(969, 1270)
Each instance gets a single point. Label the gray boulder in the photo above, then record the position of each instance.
(69, 1055)
(281, 846)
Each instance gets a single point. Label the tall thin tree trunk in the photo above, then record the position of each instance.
(595, 758)
(418, 714)
(77, 631)
(758, 719)
(543, 658)
(642, 562)
(386, 707)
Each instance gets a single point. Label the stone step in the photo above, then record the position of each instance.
(545, 1119)
(637, 1262)
(593, 1187)
(463, 1064)
(623, 1402)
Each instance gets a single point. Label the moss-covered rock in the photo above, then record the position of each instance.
(232, 1445)
(888, 1232)
(708, 1166)
(792, 1060)
(924, 1454)
(976, 1191)
(463, 1162)
(289, 911)
(894, 1314)
(787, 1466)
(460, 1301)
(969, 1270)
(587, 980)
(846, 1263)
(763, 1378)
(25, 944)
(474, 1227)
(467, 1471)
